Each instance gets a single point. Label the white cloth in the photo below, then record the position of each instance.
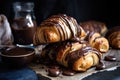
(5, 31)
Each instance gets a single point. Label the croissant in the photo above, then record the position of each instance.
(97, 41)
(78, 56)
(58, 28)
(94, 26)
(94, 30)
(113, 36)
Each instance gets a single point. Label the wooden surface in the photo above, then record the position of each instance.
(38, 68)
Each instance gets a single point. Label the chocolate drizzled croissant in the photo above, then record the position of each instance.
(94, 26)
(58, 28)
(113, 36)
(94, 31)
(97, 41)
(78, 56)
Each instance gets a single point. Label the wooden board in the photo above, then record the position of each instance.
(38, 68)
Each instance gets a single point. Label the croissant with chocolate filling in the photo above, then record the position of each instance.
(78, 56)
(58, 28)
(94, 30)
(113, 36)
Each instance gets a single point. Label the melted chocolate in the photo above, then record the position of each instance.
(97, 38)
(17, 51)
(53, 72)
(22, 32)
(100, 66)
(88, 37)
(68, 72)
(72, 57)
(110, 58)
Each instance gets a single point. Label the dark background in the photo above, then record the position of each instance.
(102, 10)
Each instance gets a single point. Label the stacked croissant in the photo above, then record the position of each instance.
(75, 46)
(94, 31)
(58, 28)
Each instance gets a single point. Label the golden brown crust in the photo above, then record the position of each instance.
(85, 62)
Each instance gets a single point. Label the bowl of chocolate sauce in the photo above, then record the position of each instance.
(17, 56)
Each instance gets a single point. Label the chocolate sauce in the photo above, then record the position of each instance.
(100, 66)
(23, 31)
(68, 72)
(110, 58)
(16, 51)
(97, 38)
(54, 72)
(68, 20)
(88, 37)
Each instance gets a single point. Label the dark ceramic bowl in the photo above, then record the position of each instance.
(17, 56)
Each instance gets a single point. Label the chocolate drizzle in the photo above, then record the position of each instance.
(62, 21)
(88, 37)
(92, 26)
(72, 57)
(97, 38)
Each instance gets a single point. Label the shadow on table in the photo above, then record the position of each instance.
(8, 73)
(105, 75)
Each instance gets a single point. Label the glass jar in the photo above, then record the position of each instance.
(24, 23)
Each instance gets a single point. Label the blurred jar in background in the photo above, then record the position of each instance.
(24, 23)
